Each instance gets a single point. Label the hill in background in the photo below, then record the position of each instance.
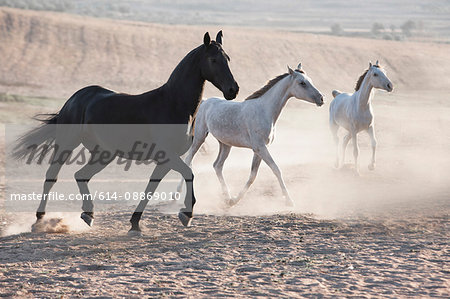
(55, 54)
(377, 19)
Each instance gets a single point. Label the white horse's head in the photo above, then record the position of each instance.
(302, 87)
(378, 78)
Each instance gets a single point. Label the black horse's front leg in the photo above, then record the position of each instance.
(39, 215)
(158, 174)
(135, 218)
(185, 215)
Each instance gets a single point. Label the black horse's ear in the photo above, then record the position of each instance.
(206, 39)
(219, 37)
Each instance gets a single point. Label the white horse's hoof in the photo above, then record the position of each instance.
(290, 203)
(371, 166)
(231, 202)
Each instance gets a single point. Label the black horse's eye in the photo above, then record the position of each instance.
(213, 60)
(303, 83)
(375, 74)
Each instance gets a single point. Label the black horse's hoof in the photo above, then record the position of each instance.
(185, 219)
(134, 233)
(88, 217)
(39, 216)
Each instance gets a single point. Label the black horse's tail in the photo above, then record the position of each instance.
(36, 142)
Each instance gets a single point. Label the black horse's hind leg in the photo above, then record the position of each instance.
(57, 161)
(82, 177)
(158, 174)
(50, 179)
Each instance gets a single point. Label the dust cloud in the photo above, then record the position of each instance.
(51, 223)
(413, 158)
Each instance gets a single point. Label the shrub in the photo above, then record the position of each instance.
(336, 29)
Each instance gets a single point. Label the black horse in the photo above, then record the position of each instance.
(164, 112)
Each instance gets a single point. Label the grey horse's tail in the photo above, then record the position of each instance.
(44, 135)
(191, 123)
(336, 93)
(191, 126)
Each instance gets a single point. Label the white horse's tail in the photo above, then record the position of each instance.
(191, 123)
(336, 93)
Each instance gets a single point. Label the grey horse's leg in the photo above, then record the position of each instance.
(199, 139)
(254, 171)
(334, 132)
(345, 142)
(263, 152)
(355, 151)
(373, 139)
(224, 151)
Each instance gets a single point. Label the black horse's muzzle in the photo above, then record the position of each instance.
(231, 92)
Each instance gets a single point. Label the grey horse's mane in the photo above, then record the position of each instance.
(260, 92)
(361, 78)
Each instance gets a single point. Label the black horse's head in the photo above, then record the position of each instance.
(215, 69)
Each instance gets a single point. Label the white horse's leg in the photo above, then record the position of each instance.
(199, 138)
(224, 151)
(355, 151)
(374, 146)
(334, 132)
(345, 142)
(255, 166)
(263, 152)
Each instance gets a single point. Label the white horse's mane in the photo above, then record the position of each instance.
(265, 88)
(361, 78)
(260, 92)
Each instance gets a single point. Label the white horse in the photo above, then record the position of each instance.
(251, 124)
(354, 112)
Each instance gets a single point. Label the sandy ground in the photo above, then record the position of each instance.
(280, 255)
(382, 234)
